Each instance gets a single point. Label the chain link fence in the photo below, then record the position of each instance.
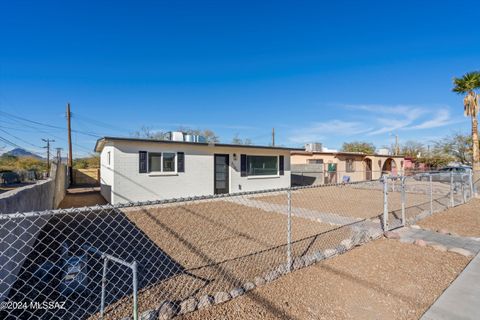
(173, 256)
(409, 199)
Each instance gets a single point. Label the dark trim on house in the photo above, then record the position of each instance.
(100, 143)
(227, 174)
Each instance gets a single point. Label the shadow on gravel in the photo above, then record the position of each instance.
(108, 231)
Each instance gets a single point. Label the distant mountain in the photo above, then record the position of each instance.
(21, 153)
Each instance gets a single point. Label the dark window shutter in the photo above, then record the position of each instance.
(180, 161)
(243, 165)
(281, 165)
(142, 161)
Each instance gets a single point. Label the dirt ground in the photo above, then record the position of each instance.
(463, 220)
(384, 279)
(221, 245)
(352, 201)
(82, 197)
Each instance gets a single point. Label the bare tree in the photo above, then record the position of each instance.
(237, 140)
(458, 146)
(413, 149)
(148, 133)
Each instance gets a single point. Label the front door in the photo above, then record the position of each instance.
(220, 175)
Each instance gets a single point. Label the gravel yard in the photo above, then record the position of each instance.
(384, 279)
(220, 245)
(463, 220)
(351, 200)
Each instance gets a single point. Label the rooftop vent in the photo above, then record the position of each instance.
(313, 147)
(181, 136)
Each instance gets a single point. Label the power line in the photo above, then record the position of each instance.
(13, 144)
(51, 134)
(96, 122)
(20, 139)
(11, 116)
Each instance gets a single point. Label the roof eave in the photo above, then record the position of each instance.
(101, 143)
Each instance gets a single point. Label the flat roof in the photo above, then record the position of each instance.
(101, 142)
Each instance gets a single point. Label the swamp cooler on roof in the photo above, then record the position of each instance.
(181, 136)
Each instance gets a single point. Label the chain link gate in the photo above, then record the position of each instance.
(408, 199)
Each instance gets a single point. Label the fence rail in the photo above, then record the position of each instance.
(178, 255)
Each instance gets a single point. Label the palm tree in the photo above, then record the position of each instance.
(467, 85)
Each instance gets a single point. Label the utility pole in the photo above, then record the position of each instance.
(273, 137)
(59, 155)
(48, 154)
(69, 161)
(397, 148)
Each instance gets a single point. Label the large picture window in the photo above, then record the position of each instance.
(262, 165)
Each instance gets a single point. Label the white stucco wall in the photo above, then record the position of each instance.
(106, 172)
(198, 178)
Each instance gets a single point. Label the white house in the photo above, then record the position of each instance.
(143, 169)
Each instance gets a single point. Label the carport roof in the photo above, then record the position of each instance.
(101, 143)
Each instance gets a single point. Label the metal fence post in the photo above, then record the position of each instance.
(135, 291)
(470, 182)
(385, 202)
(289, 230)
(452, 201)
(431, 194)
(403, 199)
(104, 283)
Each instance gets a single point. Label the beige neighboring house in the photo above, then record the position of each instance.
(334, 166)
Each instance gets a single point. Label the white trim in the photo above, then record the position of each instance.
(160, 174)
(263, 177)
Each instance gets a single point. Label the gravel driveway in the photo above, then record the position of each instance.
(384, 279)
(220, 245)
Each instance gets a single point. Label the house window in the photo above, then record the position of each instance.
(154, 162)
(162, 161)
(108, 157)
(168, 162)
(315, 161)
(262, 165)
(350, 165)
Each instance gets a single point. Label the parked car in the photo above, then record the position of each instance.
(460, 173)
(9, 177)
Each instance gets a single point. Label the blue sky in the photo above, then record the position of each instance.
(315, 70)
